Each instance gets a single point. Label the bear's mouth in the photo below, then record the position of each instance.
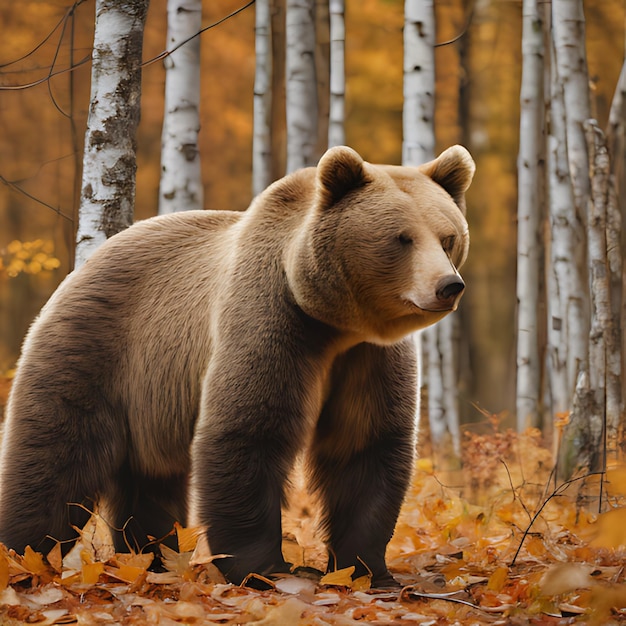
(432, 308)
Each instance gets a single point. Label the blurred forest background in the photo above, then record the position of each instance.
(42, 125)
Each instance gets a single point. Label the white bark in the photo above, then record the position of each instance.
(109, 165)
(530, 199)
(301, 86)
(336, 131)
(568, 326)
(568, 25)
(616, 129)
(181, 178)
(418, 145)
(262, 133)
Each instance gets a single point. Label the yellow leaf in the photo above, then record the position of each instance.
(33, 562)
(616, 481)
(498, 579)
(91, 573)
(610, 531)
(535, 546)
(127, 573)
(362, 583)
(187, 537)
(140, 561)
(51, 263)
(425, 465)
(340, 577)
(14, 246)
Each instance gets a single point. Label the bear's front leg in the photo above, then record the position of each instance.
(362, 455)
(246, 440)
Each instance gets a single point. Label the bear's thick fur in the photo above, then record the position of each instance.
(195, 355)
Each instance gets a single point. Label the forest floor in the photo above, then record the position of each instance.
(499, 542)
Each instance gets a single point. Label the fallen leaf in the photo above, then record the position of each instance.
(564, 577)
(610, 529)
(340, 577)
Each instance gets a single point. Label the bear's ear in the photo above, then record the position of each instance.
(339, 171)
(453, 169)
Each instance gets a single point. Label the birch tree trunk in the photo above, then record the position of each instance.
(616, 244)
(262, 132)
(604, 338)
(418, 146)
(109, 164)
(580, 442)
(301, 86)
(336, 131)
(567, 317)
(418, 115)
(530, 200)
(600, 333)
(568, 25)
(181, 177)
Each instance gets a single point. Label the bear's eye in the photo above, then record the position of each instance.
(405, 239)
(447, 243)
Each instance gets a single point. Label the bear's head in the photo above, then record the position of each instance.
(380, 248)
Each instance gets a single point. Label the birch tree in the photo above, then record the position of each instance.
(336, 131)
(418, 146)
(109, 164)
(581, 440)
(600, 335)
(528, 217)
(301, 87)
(567, 319)
(181, 178)
(568, 26)
(615, 247)
(418, 115)
(262, 131)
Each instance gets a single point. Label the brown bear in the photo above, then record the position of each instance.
(187, 364)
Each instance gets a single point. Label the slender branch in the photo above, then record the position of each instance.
(17, 188)
(557, 492)
(463, 32)
(167, 53)
(87, 58)
(69, 13)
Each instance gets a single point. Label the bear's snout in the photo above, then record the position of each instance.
(449, 291)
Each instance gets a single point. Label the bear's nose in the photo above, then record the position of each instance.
(449, 289)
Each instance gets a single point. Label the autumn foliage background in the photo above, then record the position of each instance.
(477, 104)
(508, 541)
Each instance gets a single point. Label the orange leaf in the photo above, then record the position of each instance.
(55, 558)
(610, 531)
(340, 577)
(187, 537)
(498, 579)
(127, 573)
(33, 562)
(362, 583)
(4, 570)
(91, 573)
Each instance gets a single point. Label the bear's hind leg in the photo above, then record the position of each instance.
(142, 511)
(53, 468)
(362, 455)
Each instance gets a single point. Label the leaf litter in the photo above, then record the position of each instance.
(498, 542)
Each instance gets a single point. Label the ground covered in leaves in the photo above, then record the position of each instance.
(500, 542)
